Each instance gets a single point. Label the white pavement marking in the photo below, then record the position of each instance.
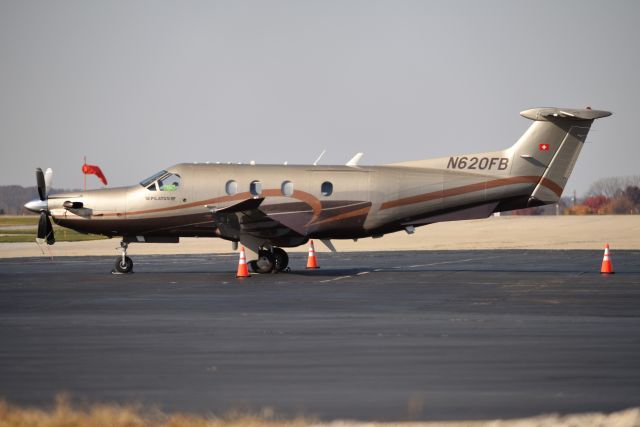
(334, 279)
(362, 273)
(450, 262)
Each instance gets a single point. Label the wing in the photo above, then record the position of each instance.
(245, 220)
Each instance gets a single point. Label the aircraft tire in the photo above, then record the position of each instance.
(126, 267)
(264, 264)
(280, 258)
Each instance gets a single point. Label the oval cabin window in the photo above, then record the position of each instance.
(326, 189)
(255, 188)
(231, 188)
(287, 188)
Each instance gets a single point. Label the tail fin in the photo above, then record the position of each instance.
(549, 149)
(544, 155)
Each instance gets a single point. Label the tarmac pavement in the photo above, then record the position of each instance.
(369, 336)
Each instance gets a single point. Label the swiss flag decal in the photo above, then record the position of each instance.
(543, 147)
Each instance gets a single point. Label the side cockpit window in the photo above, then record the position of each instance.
(170, 182)
(162, 181)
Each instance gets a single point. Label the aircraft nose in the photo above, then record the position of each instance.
(36, 205)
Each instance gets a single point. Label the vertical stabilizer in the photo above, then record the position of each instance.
(550, 147)
(540, 162)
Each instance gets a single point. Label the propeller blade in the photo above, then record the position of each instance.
(42, 189)
(45, 229)
(42, 225)
(48, 179)
(50, 237)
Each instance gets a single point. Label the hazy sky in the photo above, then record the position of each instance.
(137, 86)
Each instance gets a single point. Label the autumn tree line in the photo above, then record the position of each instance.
(615, 195)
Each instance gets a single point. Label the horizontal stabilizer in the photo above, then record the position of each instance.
(546, 114)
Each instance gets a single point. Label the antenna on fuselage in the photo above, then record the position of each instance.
(354, 160)
(319, 157)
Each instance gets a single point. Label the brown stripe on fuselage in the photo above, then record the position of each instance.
(471, 188)
(297, 194)
(344, 215)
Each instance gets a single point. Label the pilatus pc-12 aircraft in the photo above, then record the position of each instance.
(270, 207)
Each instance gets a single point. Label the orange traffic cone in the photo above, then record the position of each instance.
(312, 261)
(606, 268)
(243, 270)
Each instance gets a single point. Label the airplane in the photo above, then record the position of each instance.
(270, 207)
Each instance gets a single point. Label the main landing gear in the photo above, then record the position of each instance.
(123, 263)
(268, 261)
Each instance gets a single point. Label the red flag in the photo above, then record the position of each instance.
(543, 147)
(94, 170)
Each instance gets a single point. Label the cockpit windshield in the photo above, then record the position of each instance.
(162, 181)
(146, 182)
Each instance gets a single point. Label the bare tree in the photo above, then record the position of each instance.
(632, 193)
(613, 186)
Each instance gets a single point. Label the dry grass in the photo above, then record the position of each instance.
(9, 220)
(62, 235)
(63, 414)
(23, 229)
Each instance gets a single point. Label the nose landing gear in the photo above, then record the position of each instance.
(123, 263)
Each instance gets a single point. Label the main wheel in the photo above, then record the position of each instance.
(125, 266)
(280, 258)
(264, 264)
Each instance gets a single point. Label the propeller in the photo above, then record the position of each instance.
(45, 229)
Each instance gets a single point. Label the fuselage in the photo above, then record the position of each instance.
(313, 201)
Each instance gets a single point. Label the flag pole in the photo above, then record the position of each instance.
(84, 174)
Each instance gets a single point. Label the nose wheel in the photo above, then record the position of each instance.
(123, 263)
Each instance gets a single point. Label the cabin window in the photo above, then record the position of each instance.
(287, 188)
(255, 188)
(231, 187)
(326, 188)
